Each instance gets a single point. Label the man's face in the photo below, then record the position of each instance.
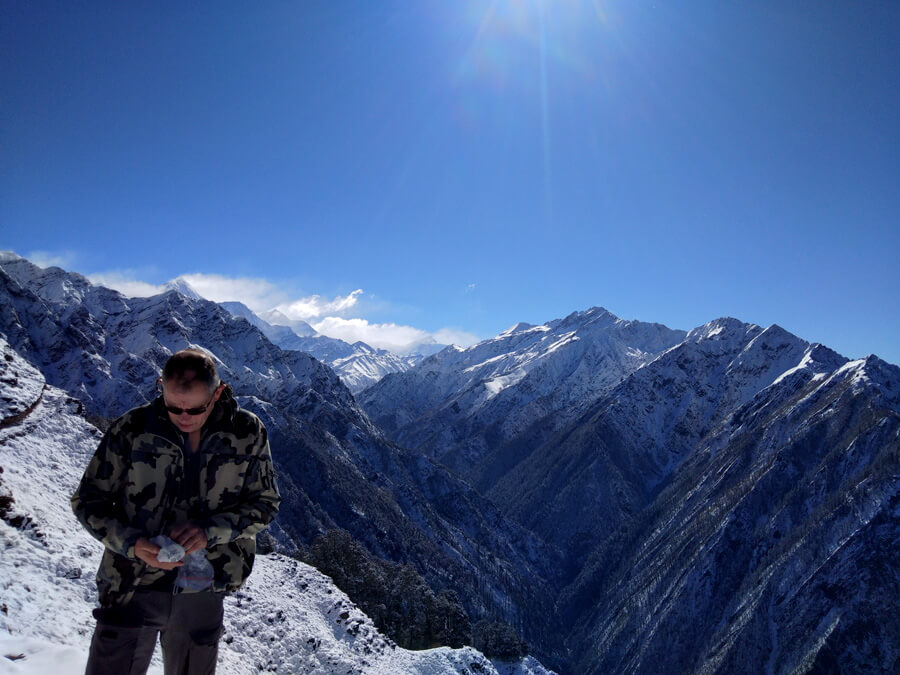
(195, 396)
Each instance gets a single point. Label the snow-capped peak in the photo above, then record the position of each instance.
(277, 318)
(517, 328)
(55, 285)
(724, 328)
(363, 348)
(181, 285)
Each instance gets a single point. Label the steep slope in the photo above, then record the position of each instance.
(461, 406)
(773, 546)
(368, 365)
(606, 466)
(288, 618)
(335, 468)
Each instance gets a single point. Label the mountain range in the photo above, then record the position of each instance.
(358, 365)
(633, 498)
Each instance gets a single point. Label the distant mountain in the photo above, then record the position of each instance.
(470, 408)
(276, 318)
(181, 285)
(324, 348)
(335, 468)
(303, 329)
(368, 365)
(358, 365)
(288, 617)
(606, 465)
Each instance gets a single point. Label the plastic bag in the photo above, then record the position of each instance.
(196, 574)
(169, 551)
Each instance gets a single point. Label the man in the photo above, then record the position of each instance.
(195, 467)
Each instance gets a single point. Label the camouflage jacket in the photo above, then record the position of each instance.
(134, 487)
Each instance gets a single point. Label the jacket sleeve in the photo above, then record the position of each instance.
(97, 501)
(257, 505)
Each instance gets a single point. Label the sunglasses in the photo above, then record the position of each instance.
(180, 411)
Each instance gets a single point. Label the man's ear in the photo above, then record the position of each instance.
(219, 391)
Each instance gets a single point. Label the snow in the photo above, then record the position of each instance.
(47, 566)
(276, 318)
(181, 285)
(805, 362)
(497, 384)
(854, 369)
(25, 381)
(561, 342)
(519, 328)
(31, 656)
(9, 256)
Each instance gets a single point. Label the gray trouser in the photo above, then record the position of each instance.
(188, 624)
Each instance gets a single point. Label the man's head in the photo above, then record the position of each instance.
(190, 386)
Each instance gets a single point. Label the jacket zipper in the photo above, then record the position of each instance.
(185, 488)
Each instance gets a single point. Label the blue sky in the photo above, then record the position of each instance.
(397, 169)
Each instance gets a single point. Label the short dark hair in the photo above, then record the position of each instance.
(188, 366)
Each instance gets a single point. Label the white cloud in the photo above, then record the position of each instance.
(126, 284)
(314, 306)
(328, 317)
(453, 336)
(258, 294)
(390, 336)
(64, 259)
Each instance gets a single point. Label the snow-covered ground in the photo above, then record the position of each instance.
(288, 618)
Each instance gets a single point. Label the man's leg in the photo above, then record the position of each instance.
(190, 643)
(125, 636)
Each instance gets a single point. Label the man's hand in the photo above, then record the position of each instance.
(191, 537)
(147, 551)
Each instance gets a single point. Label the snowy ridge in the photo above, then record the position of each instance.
(288, 618)
(367, 366)
(460, 404)
(52, 284)
(107, 349)
(734, 462)
(607, 464)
